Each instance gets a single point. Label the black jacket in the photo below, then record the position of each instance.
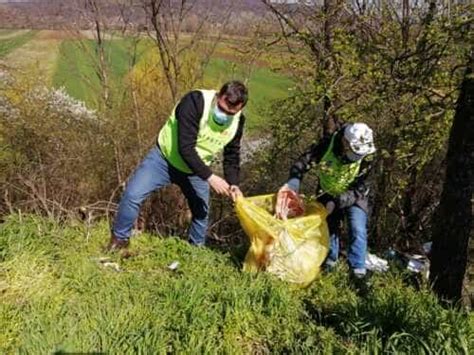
(188, 115)
(358, 191)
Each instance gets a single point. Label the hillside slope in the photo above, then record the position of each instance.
(57, 294)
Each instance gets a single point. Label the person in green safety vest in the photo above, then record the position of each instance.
(343, 163)
(202, 125)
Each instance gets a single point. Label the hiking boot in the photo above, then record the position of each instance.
(118, 245)
(329, 266)
(361, 283)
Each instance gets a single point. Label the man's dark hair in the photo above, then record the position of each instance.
(235, 92)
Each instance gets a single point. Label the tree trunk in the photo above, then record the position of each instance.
(405, 23)
(329, 121)
(453, 225)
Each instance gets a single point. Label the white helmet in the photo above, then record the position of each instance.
(360, 138)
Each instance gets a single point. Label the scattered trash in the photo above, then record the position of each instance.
(415, 263)
(419, 264)
(107, 263)
(396, 258)
(288, 205)
(114, 266)
(374, 263)
(103, 259)
(173, 266)
(427, 248)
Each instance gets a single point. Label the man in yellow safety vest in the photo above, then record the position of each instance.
(342, 164)
(203, 124)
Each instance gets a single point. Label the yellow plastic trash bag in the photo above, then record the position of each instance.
(294, 249)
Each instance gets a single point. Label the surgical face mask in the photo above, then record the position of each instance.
(351, 156)
(220, 117)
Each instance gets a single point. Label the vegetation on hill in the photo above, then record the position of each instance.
(64, 164)
(7, 45)
(76, 71)
(59, 295)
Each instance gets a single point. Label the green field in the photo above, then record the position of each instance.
(74, 69)
(76, 72)
(57, 296)
(4, 32)
(8, 45)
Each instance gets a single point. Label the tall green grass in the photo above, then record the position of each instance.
(8, 45)
(56, 296)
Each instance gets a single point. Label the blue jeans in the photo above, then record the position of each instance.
(357, 223)
(153, 173)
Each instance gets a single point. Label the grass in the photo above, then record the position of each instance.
(76, 69)
(7, 45)
(7, 32)
(36, 57)
(55, 296)
(76, 72)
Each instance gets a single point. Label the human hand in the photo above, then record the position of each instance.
(330, 206)
(235, 192)
(281, 207)
(219, 185)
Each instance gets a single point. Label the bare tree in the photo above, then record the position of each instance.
(95, 10)
(91, 22)
(313, 26)
(166, 21)
(97, 26)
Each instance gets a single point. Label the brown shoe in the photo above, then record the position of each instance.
(116, 244)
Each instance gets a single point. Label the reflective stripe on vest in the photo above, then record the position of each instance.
(334, 176)
(211, 138)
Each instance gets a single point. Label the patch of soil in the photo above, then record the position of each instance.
(59, 35)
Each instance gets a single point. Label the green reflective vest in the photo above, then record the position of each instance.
(334, 176)
(211, 138)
